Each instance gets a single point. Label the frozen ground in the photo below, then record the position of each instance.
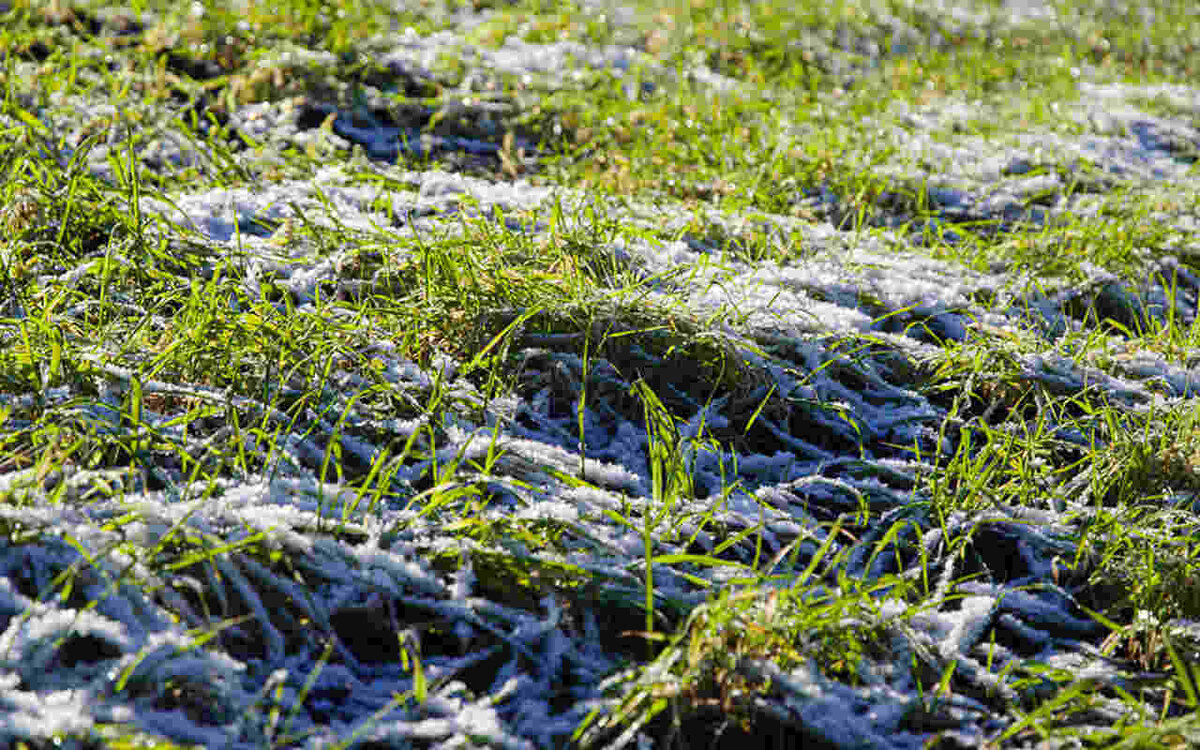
(512, 672)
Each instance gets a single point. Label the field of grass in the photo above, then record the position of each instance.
(705, 373)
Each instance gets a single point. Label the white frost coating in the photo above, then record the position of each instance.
(31, 644)
(44, 713)
(970, 623)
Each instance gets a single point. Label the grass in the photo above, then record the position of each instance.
(304, 439)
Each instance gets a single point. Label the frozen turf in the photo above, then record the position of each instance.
(280, 600)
